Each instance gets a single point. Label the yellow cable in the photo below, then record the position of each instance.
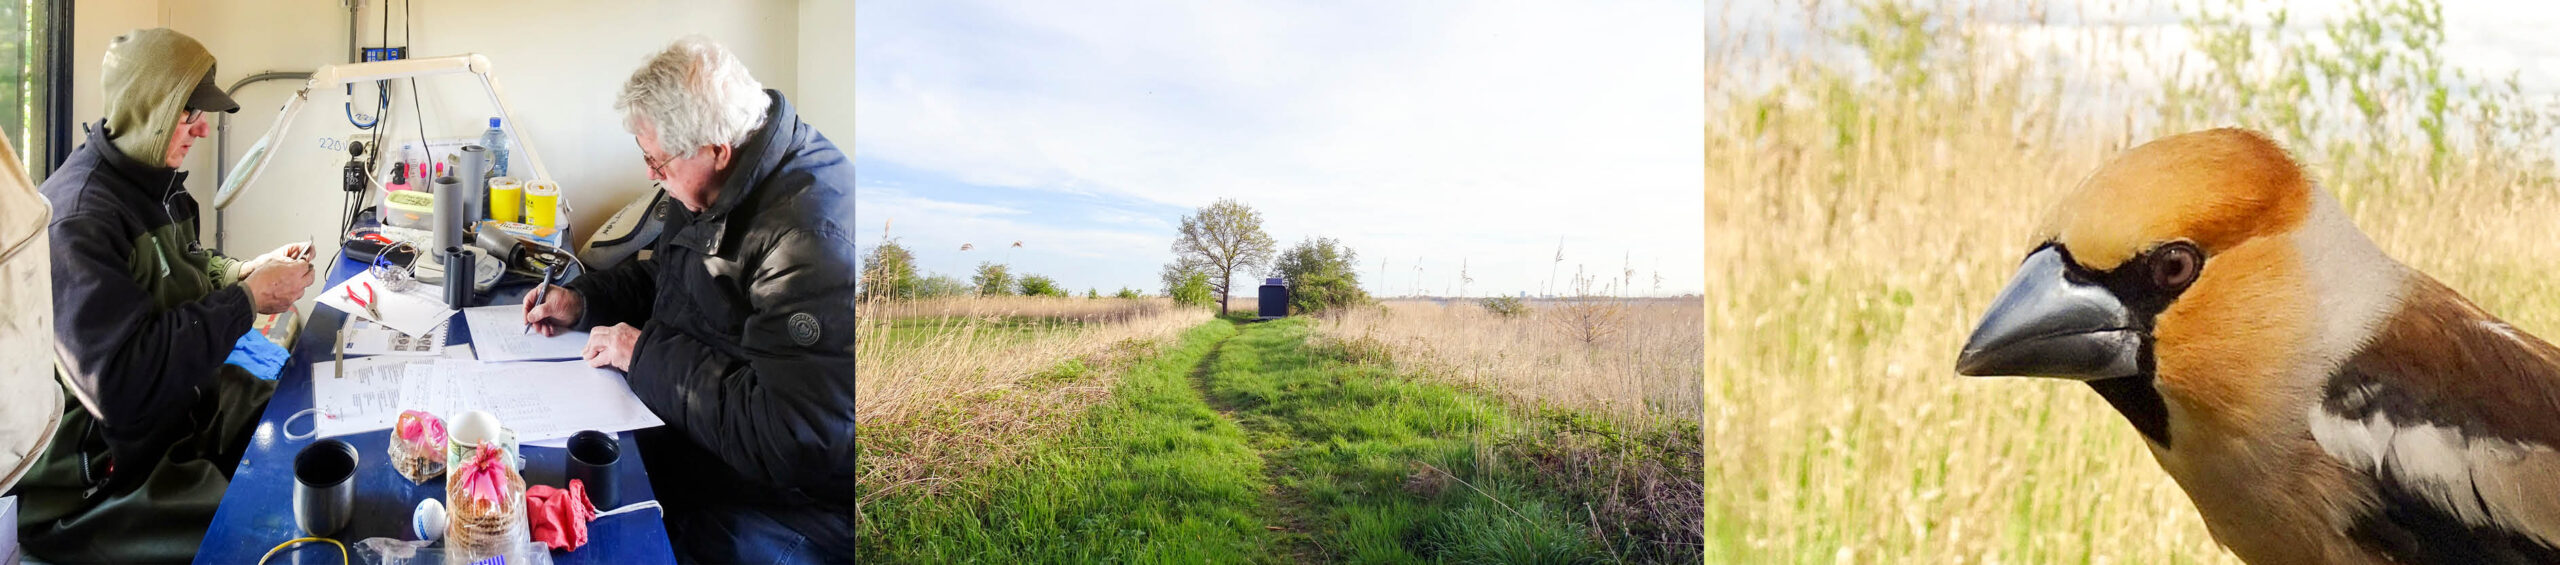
(271, 553)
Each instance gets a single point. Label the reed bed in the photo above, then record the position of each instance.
(947, 386)
(1647, 368)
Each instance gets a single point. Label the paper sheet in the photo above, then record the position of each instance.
(368, 338)
(540, 401)
(415, 312)
(366, 399)
(499, 331)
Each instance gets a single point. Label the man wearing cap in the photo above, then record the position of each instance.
(143, 318)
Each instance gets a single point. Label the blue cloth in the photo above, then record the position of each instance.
(261, 357)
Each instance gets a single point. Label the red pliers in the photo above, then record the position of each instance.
(366, 301)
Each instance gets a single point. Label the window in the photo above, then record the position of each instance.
(34, 38)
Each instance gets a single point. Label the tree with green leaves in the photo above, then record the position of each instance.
(940, 285)
(993, 279)
(1126, 292)
(1320, 275)
(889, 271)
(1192, 291)
(1037, 285)
(1175, 273)
(1220, 239)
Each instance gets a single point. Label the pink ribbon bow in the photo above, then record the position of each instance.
(484, 476)
(421, 428)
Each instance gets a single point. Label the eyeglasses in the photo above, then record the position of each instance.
(656, 167)
(193, 117)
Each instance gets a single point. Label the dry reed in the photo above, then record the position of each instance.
(946, 386)
(1859, 226)
(1647, 368)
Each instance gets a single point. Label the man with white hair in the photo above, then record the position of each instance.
(737, 330)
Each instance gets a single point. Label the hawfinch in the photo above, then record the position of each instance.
(2319, 401)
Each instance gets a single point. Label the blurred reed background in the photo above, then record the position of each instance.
(1873, 168)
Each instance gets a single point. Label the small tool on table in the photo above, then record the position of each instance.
(367, 301)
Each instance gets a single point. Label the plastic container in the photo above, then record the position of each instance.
(542, 203)
(412, 209)
(506, 199)
(496, 141)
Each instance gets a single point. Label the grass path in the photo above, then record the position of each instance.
(1242, 444)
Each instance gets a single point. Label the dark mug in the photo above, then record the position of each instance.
(592, 455)
(324, 487)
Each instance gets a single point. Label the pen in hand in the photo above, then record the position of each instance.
(539, 293)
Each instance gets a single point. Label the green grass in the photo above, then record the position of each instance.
(1352, 440)
(1242, 443)
(1153, 475)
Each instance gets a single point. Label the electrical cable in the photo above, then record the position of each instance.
(315, 413)
(633, 507)
(271, 553)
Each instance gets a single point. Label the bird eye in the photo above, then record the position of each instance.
(2176, 266)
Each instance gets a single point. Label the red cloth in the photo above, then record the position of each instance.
(559, 517)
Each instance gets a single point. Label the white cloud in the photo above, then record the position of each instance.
(1476, 131)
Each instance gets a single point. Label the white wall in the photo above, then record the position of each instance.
(560, 63)
(826, 69)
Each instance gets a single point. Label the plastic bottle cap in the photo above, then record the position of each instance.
(493, 122)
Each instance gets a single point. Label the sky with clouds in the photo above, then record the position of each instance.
(1421, 134)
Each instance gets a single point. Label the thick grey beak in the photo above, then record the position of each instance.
(2043, 325)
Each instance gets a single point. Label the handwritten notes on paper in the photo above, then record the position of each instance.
(366, 395)
(539, 401)
(499, 333)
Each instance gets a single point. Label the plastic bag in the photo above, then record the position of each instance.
(418, 446)
(387, 551)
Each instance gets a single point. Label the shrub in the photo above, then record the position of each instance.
(1194, 290)
(993, 279)
(1037, 285)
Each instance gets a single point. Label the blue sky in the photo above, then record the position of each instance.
(1421, 134)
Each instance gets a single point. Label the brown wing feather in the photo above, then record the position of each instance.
(2455, 365)
(2453, 417)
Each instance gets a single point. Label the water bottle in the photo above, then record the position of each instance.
(496, 141)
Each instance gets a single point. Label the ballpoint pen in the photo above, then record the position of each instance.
(542, 292)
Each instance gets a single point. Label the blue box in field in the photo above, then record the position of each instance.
(1275, 298)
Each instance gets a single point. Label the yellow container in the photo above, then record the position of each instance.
(542, 203)
(506, 199)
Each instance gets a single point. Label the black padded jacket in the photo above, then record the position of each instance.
(746, 342)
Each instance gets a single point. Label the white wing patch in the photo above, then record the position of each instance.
(2485, 482)
(2503, 330)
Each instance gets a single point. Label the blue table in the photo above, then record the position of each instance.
(257, 511)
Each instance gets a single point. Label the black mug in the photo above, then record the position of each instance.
(324, 487)
(592, 455)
